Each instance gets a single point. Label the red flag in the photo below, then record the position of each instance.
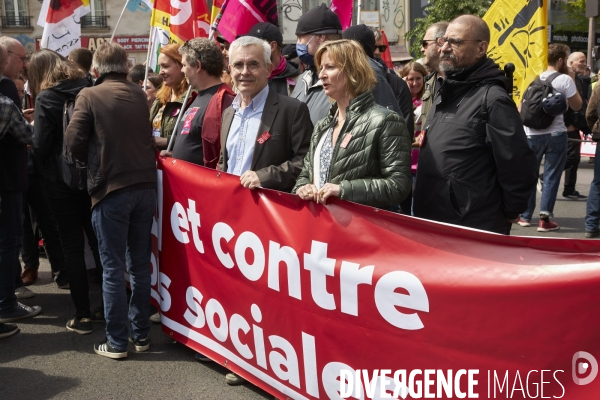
(386, 56)
(343, 9)
(241, 15)
(186, 19)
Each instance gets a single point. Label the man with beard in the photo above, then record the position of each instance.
(475, 167)
(551, 142)
(575, 122)
(431, 51)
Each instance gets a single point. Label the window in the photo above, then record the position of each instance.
(15, 14)
(95, 18)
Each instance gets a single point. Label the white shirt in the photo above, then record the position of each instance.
(564, 84)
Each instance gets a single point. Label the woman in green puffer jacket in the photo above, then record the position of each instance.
(361, 151)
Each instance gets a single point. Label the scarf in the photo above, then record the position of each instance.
(279, 69)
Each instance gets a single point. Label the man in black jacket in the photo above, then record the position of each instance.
(475, 166)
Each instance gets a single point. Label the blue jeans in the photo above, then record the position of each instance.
(592, 214)
(11, 238)
(555, 150)
(123, 222)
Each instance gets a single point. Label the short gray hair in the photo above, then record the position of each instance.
(246, 41)
(110, 57)
(8, 42)
(439, 29)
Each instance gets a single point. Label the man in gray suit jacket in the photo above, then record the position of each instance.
(264, 135)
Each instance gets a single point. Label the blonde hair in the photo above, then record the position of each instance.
(164, 93)
(47, 69)
(351, 59)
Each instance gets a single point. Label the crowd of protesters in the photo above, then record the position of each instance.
(442, 140)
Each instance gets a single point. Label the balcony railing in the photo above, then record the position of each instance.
(88, 21)
(12, 21)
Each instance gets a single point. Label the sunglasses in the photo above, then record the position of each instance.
(381, 48)
(425, 42)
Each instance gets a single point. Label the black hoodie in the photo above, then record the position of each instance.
(474, 170)
(48, 125)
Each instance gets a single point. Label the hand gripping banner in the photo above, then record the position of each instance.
(347, 301)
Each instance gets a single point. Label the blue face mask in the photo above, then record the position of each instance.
(302, 50)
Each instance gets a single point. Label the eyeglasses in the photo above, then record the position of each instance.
(381, 48)
(23, 58)
(425, 42)
(454, 43)
(252, 66)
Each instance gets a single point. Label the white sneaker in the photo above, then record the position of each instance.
(24, 293)
(155, 318)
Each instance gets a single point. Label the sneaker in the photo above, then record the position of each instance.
(20, 311)
(24, 293)
(29, 276)
(98, 315)
(524, 222)
(8, 330)
(155, 318)
(592, 234)
(61, 280)
(141, 344)
(547, 226)
(105, 349)
(82, 326)
(540, 184)
(201, 357)
(574, 196)
(234, 379)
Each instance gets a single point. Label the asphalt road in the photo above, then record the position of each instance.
(46, 361)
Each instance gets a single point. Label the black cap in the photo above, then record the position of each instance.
(266, 31)
(319, 20)
(289, 51)
(363, 35)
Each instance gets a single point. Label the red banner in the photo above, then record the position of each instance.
(295, 296)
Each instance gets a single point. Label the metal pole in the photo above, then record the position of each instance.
(358, 7)
(148, 55)
(591, 40)
(118, 21)
(172, 141)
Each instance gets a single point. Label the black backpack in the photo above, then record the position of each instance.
(532, 113)
(74, 172)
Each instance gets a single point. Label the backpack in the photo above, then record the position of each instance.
(532, 113)
(74, 172)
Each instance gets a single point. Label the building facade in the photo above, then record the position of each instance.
(19, 20)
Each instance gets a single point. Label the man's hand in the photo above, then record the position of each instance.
(308, 192)
(250, 180)
(329, 189)
(28, 115)
(164, 153)
(512, 221)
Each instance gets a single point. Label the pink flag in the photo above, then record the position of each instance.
(241, 15)
(343, 9)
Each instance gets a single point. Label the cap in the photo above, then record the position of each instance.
(363, 35)
(289, 51)
(266, 31)
(319, 20)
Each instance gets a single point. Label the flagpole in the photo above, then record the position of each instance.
(213, 27)
(118, 21)
(148, 55)
(172, 141)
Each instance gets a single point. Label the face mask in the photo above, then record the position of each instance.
(302, 50)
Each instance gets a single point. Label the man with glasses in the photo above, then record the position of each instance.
(431, 51)
(264, 135)
(475, 166)
(383, 92)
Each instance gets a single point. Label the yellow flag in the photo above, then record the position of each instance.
(519, 35)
